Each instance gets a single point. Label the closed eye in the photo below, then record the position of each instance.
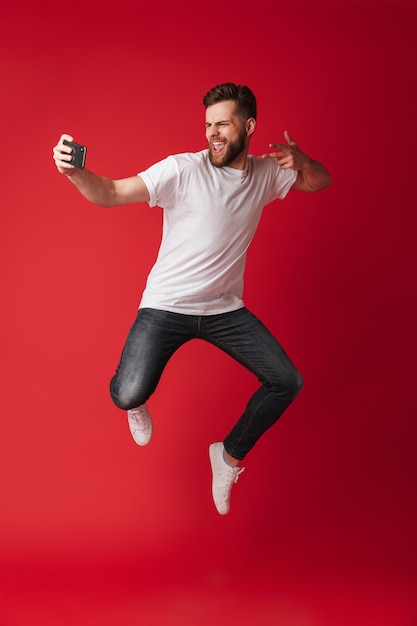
(222, 123)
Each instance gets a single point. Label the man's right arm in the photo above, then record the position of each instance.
(99, 189)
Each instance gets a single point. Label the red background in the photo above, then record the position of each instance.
(94, 530)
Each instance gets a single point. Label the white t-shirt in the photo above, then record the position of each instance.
(210, 217)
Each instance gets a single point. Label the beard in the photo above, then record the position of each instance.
(232, 152)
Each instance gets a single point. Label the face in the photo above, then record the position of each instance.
(227, 135)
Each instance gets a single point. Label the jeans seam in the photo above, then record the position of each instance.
(242, 435)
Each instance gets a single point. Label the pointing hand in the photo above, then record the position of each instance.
(289, 155)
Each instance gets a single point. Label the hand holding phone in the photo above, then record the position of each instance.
(79, 153)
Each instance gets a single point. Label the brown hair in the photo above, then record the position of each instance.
(242, 96)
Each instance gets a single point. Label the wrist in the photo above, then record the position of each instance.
(75, 175)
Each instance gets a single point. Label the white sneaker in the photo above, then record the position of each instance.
(140, 424)
(224, 475)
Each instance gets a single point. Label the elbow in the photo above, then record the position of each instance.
(324, 182)
(105, 204)
(108, 198)
(327, 182)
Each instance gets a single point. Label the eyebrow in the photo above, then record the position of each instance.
(217, 123)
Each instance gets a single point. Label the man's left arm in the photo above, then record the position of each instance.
(311, 174)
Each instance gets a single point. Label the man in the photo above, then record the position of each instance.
(212, 202)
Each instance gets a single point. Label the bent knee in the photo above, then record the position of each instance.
(298, 382)
(291, 384)
(126, 396)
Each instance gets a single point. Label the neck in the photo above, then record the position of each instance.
(240, 161)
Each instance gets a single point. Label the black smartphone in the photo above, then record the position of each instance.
(79, 153)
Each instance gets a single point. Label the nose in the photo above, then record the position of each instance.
(212, 131)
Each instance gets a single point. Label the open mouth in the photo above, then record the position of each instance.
(217, 146)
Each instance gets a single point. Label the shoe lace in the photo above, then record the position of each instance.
(231, 478)
(238, 473)
(139, 417)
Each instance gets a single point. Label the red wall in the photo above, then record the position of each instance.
(330, 490)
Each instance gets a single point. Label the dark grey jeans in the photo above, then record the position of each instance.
(156, 335)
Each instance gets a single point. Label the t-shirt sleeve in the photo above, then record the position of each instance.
(284, 180)
(161, 180)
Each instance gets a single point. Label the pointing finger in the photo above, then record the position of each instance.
(290, 141)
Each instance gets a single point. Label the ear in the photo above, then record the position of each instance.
(250, 126)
